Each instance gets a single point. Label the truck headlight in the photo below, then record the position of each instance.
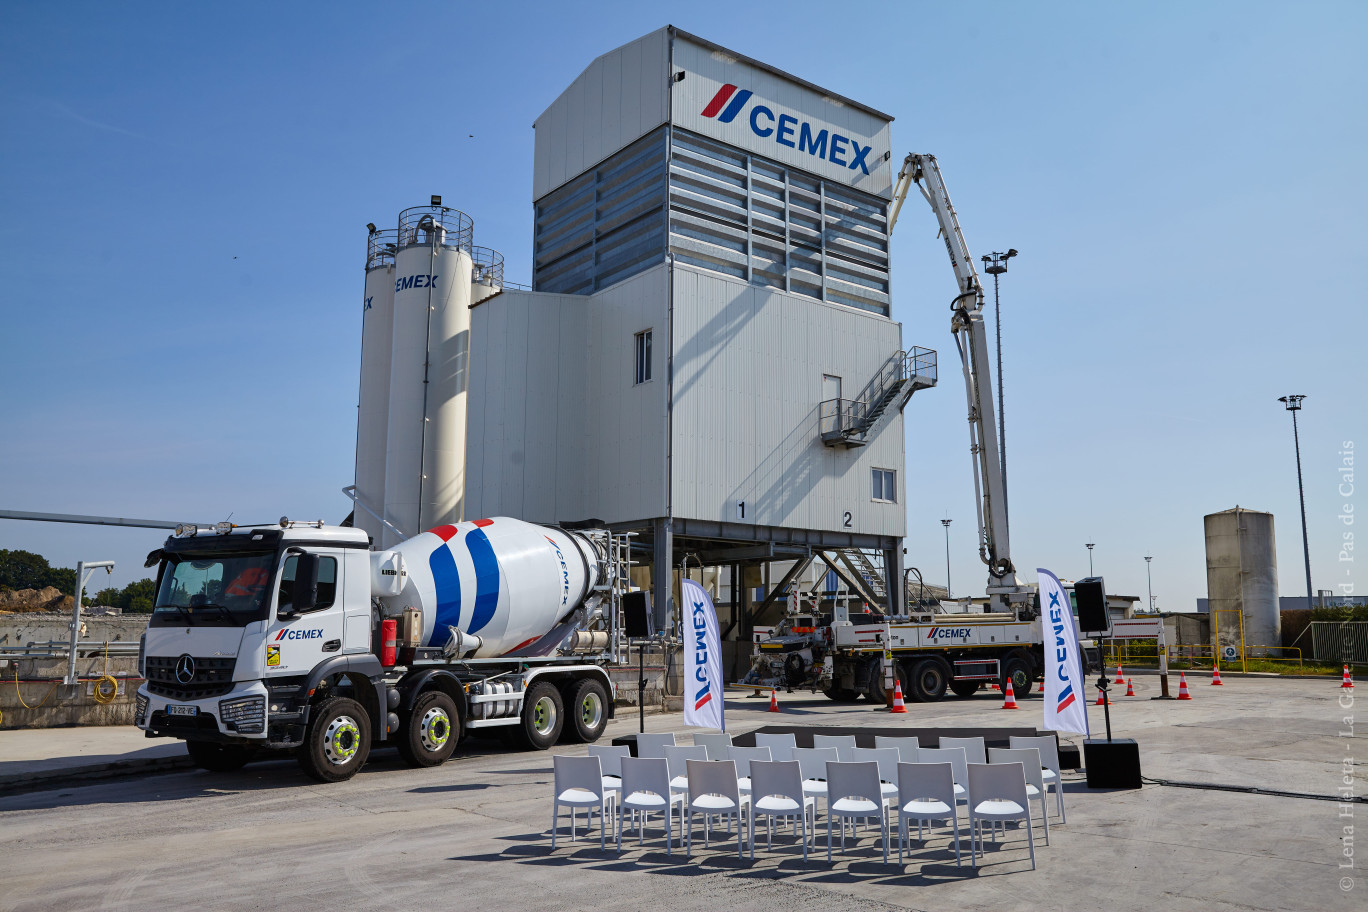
(246, 715)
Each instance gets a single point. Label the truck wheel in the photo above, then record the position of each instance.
(218, 758)
(841, 694)
(543, 715)
(929, 680)
(875, 693)
(337, 741)
(965, 688)
(587, 704)
(431, 730)
(1018, 671)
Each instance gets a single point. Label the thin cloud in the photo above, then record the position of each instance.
(58, 109)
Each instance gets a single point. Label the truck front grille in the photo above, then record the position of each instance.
(212, 678)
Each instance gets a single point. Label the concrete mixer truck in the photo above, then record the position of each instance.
(298, 637)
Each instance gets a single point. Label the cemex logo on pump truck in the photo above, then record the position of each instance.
(787, 130)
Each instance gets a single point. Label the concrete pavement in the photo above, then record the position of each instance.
(475, 831)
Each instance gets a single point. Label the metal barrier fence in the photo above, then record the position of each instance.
(1340, 642)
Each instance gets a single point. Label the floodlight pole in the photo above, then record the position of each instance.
(946, 523)
(1090, 567)
(1293, 405)
(84, 571)
(995, 265)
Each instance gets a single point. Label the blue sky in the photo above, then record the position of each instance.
(185, 189)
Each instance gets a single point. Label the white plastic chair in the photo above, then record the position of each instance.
(1049, 762)
(997, 793)
(677, 756)
(926, 792)
(646, 789)
(907, 747)
(579, 784)
(780, 746)
(844, 744)
(887, 759)
(653, 745)
(1029, 758)
(853, 792)
(713, 791)
(777, 791)
(743, 757)
(812, 763)
(974, 749)
(958, 763)
(718, 745)
(610, 757)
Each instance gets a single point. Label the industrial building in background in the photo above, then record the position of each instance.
(706, 357)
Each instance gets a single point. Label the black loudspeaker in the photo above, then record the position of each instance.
(634, 615)
(1093, 616)
(1112, 764)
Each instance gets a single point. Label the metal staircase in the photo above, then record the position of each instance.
(860, 564)
(853, 422)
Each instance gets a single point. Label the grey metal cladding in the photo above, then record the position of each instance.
(620, 97)
(729, 211)
(749, 364)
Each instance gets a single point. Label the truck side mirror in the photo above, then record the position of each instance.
(305, 589)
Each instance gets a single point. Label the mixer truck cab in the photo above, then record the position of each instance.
(299, 638)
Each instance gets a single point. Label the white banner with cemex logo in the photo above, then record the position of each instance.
(702, 659)
(1066, 703)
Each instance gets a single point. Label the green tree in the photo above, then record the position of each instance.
(138, 597)
(23, 570)
(108, 597)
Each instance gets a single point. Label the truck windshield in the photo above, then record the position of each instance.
(220, 589)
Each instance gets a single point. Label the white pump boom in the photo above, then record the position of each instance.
(970, 338)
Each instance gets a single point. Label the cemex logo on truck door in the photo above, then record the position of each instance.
(787, 130)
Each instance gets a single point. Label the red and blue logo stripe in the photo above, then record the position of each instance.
(724, 95)
(1065, 697)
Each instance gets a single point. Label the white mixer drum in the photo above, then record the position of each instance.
(505, 581)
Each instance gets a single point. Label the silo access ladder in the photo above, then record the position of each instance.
(852, 422)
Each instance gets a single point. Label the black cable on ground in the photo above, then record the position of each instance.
(1254, 790)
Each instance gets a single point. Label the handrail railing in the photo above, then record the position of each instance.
(436, 225)
(489, 266)
(380, 247)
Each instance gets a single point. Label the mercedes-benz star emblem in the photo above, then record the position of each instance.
(185, 669)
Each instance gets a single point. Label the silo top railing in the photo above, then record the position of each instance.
(380, 247)
(489, 266)
(436, 224)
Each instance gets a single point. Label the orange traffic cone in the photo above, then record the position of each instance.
(1119, 678)
(1215, 676)
(774, 701)
(1182, 687)
(1130, 688)
(1101, 697)
(1348, 682)
(1009, 701)
(897, 706)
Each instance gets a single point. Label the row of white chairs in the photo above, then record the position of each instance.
(871, 783)
(783, 746)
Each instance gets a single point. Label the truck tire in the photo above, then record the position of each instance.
(431, 731)
(587, 705)
(218, 758)
(875, 692)
(841, 694)
(965, 688)
(1018, 671)
(337, 741)
(543, 715)
(930, 677)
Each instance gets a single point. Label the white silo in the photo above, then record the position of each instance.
(425, 461)
(487, 277)
(1242, 581)
(372, 407)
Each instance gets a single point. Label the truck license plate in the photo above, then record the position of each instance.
(178, 709)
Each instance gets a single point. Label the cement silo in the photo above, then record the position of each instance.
(372, 407)
(425, 461)
(1242, 582)
(487, 278)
